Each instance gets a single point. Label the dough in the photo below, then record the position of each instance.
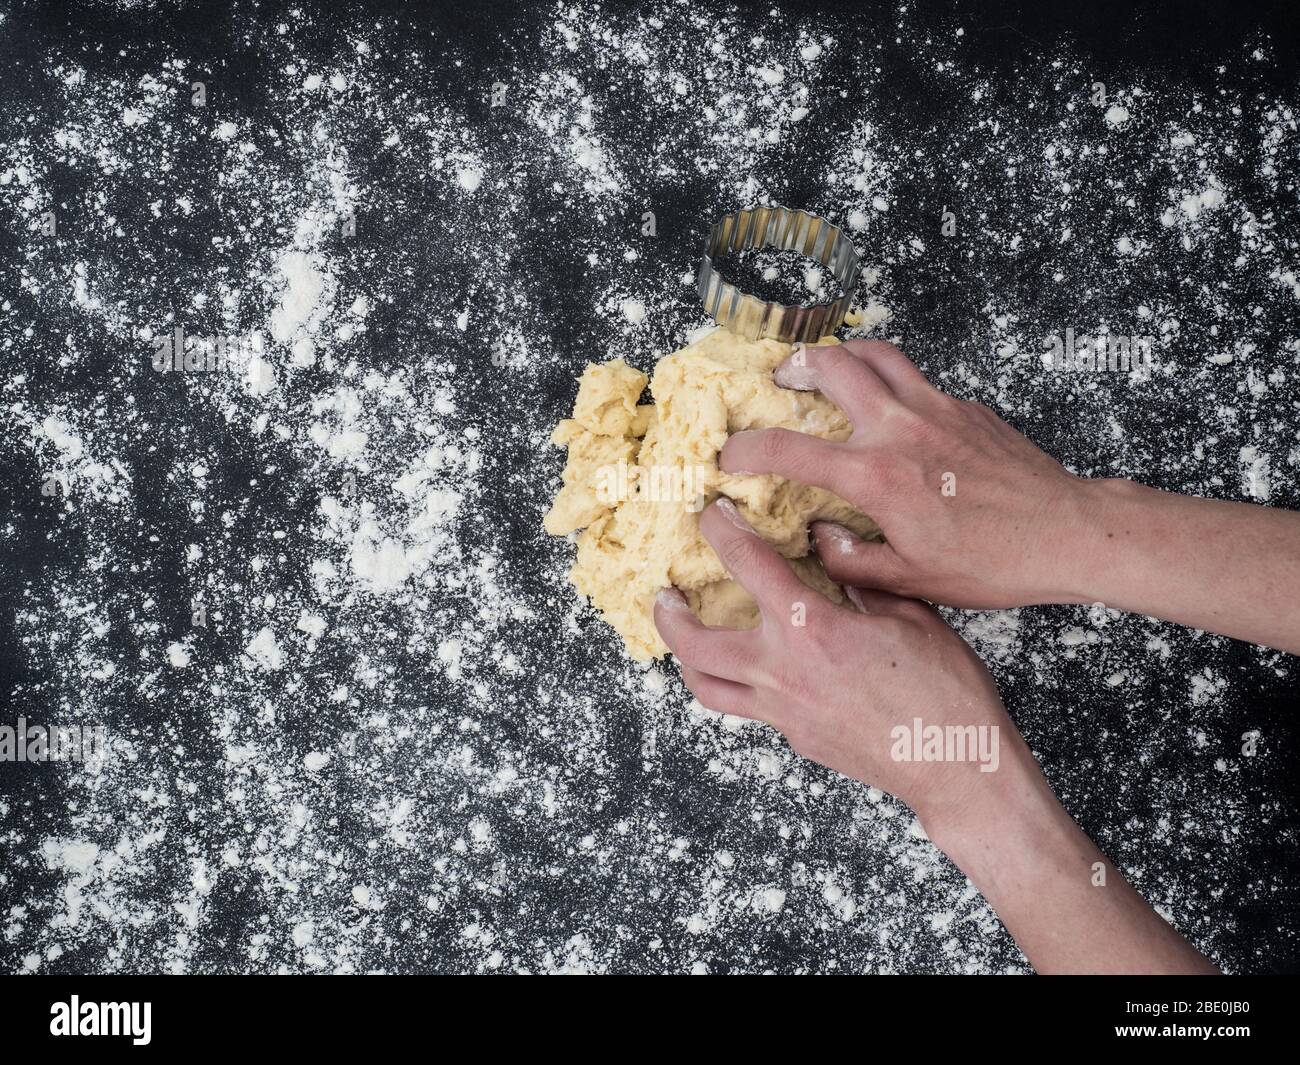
(638, 475)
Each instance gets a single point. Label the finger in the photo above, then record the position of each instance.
(876, 603)
(848, 382)
(762, 572)
(722, 696)
(891, 366)
(848, 559)
(722, 653)
(794, 456)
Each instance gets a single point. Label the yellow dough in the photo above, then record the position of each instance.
(638, 475)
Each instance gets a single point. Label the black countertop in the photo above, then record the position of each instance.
(395, 741)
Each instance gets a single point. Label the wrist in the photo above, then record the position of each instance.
(1001, 822)
(1023, 844)
(1087, 538)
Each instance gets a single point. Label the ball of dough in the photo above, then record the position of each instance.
(638, 475)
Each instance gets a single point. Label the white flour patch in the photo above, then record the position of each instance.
(357, 720)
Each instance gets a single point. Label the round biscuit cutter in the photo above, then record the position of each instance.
(777, 227)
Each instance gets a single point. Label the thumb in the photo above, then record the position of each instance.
(848, 559)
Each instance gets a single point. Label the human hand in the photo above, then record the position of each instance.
(840, 682)
(974, 514)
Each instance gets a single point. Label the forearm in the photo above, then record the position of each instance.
(1068, 908)
(1230, 568)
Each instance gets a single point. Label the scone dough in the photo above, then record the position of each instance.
(638, 474)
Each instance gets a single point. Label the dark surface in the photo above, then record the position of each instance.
(632, 769)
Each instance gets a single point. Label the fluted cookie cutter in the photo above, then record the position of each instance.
(777, 227)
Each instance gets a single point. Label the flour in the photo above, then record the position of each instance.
(357, 721)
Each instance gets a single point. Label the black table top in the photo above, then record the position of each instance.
(357, 720)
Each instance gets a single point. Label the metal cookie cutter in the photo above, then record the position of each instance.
(777, 227)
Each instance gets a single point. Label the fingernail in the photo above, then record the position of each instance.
(843, 537)
(795, 373)
(855, 597)
(671, 599)
(733, 515)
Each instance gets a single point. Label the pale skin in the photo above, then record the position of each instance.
(1018, 530)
